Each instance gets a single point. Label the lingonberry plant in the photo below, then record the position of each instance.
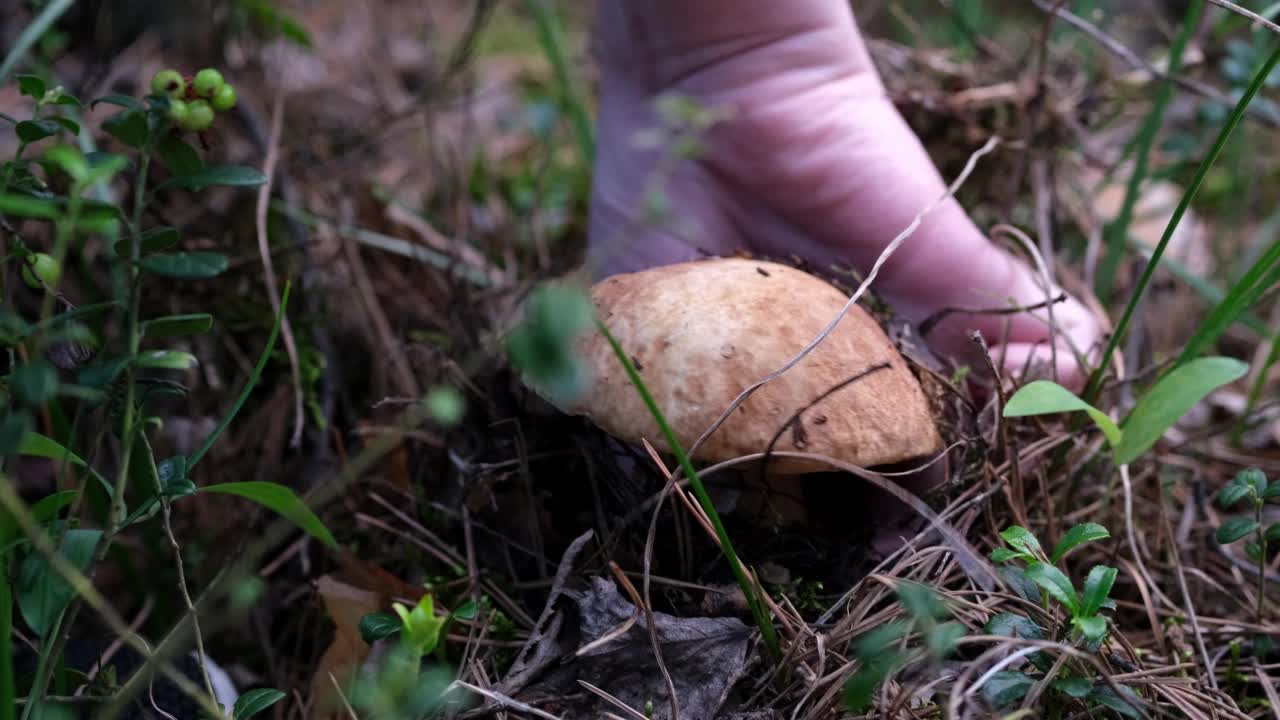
(80, 383)
(1029, 569)
(1251, 486)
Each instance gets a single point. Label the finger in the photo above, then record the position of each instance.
(1024, 362)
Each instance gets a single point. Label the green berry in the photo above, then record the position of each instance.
(199, 116)
(179, 110)
(40, 268)
(168, 82)
(224, 99)
(207, 82)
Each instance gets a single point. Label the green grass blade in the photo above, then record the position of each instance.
(1253, 283)
(1204, 288)
(1117, 230)
(248, 386)
(1095, 382)
(749, 588)
(1255, 390)
(552, 42)
(31, 34)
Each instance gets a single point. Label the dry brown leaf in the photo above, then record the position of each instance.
(345, 604)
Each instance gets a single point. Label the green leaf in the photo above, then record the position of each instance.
(67, 124)
(102, 373)
(103, 166)
(166, 359)
(1016, 578)
(156, 239)
(15, 426)
(222, 175)
(50, 505)
(34, 384)
(941, 639)
(420, 625)
(1253, 551)
(124, 101)
(176, 325)
(859, 691)
(1273, 533)
(1093, 628)
(1003, 555)
(1097, 587)
(255, 701)
(189, 265)
(543, 347)
(1007, 624)
(28, 207)
(129, 127)
(876, 642)
(178, 156)
(466, 611)
(280, 499)
(69, 159)
(1252, 478)
(378, 626)
(1076, 687)
(1233, 493)
(1006, 687)
(1077, 536)
(29, 131)
(1170, 398)
(920, 601)
(43, 593)
(1272, 490)
(1044, 397)
(1234, 529)
(1053, 581)
(30, 85)
(1022, 540)
(37, 445)
(67, 99)
(1127, 705)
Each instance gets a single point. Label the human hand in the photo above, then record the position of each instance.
(814, 161)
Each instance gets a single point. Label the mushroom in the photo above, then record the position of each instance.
(701, 332)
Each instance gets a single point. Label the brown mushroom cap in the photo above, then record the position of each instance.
(701, 332)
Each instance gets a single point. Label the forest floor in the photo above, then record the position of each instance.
(429, 173)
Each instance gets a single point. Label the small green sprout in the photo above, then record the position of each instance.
(421, 628)
(1159, 408)
(1041, 569)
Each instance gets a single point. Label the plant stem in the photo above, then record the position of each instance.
(117, 512)
(749, 589)
(1262, 561)
(31, 34)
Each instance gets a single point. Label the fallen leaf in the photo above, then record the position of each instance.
(345, 604)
